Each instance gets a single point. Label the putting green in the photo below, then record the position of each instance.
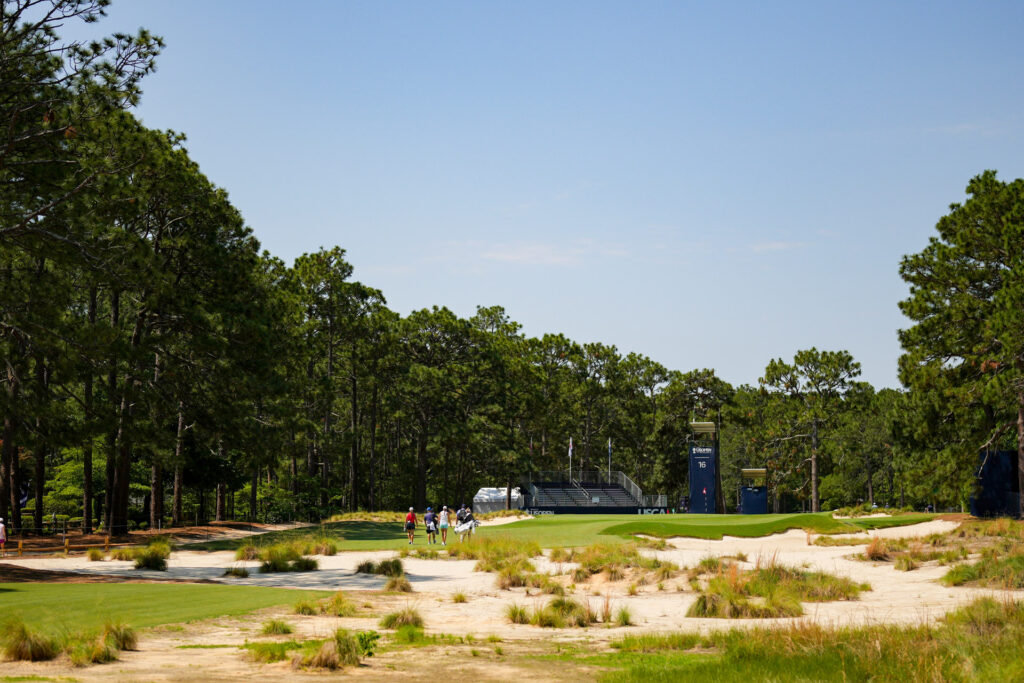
(57, 608)
(553, 531)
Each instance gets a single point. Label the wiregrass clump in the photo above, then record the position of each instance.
(390, 567)
(276, 627)
(337, 605)
(768, 591)
(153, 556)
(407, 616)
(285, 557)
(95, 555)
(398, 584)
(21, 643)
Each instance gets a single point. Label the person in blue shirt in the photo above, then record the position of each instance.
(430, 521)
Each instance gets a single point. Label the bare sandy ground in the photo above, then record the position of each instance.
(895, 597)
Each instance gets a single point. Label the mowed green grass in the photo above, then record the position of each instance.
(58, 608)
(559, 531)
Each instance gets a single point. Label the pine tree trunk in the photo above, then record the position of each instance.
(179, 443)
(156, 496)
(221, 501)
(113, 400)
(87, 445)
(253, 488)
(1020, 454)
(815, 503)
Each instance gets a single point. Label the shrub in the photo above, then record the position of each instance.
(21, 643)
(404, 617)
(95, 554)
(623, 617)
(122, 554)
(517, 614)
(366, 567)
(398, 584)
(237, 572)
(306, 608)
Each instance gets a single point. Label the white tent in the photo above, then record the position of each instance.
(491, 499)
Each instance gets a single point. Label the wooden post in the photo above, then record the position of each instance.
(106, 544)
(66, 547)
(20, 547)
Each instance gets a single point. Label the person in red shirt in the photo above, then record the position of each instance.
(410, 524)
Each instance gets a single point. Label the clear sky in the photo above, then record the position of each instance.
(711, 184)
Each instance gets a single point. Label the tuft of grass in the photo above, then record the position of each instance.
(237, 572)
(153, 556)
(276, 627)
(306, 608)
(20, 643)
(267, 653)
(122, 554)
(304, 564)
(95, 555)
(337, 605)
(120, 635)
(877, 550)
(770, 590)
(561, 612)
(404, 617)
(391, 567)
(999, 571)
(398, 584)
(247, 551)
(562, 555)
(88, 651)
(831, 541)
(517, 614)
(623, 617)
(905, 563)
(459, 597)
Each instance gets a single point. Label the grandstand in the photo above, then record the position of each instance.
(587, 492)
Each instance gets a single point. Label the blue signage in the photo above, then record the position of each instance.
(702, 478)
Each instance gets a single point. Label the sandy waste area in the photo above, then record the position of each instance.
(896, 597)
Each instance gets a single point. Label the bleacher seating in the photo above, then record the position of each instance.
(562, 494)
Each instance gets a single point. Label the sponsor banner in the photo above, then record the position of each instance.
(702, 478)
(565, 510)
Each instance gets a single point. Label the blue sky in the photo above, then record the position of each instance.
(709, 184)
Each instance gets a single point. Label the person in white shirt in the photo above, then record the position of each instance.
(443, 524)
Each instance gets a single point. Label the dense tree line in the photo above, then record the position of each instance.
(157, 367)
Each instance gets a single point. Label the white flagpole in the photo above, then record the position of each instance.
(570, 459)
